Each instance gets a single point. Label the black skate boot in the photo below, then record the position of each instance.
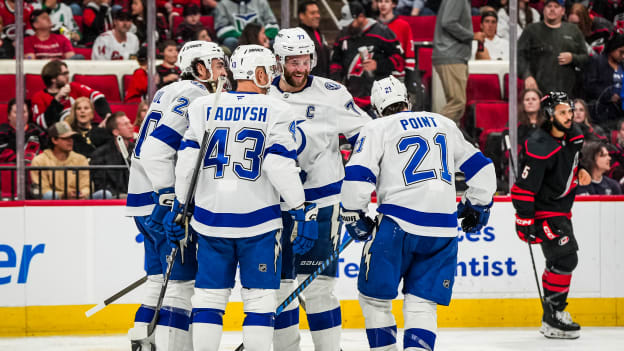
(558, 324)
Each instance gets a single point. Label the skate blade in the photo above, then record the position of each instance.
(554, 333)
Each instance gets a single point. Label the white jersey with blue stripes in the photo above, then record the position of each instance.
(411, 158)
(153, 159)
(322, 110)
(249, 163)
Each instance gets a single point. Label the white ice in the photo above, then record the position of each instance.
(449, 339)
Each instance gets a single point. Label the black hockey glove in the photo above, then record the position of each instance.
(525, 228)
(475, 216)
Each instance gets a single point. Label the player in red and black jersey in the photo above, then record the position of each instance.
(543, 197)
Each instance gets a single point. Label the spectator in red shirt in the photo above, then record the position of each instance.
(54, 102)
(44, 44)
(137, 89)
(7, 13)
(401, 30)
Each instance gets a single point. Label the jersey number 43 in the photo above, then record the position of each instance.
(217, 152)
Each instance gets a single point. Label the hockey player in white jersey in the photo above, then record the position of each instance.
(410, 159)
(321, 109)
(151, 192)
(249, 163)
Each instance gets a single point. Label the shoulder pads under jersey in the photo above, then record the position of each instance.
(541, 145)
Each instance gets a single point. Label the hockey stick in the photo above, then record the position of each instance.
(307, 282)
(117, 295)
(123, 149)
(512, 165)
(184, 217)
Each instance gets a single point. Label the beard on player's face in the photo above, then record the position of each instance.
(296, 78)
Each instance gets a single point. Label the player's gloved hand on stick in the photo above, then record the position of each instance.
(174, 224)
(307, 227)
(525, 228)
(163, 201)
(475, 216)
(359, 226)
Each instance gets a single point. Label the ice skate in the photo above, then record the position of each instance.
(559, 324)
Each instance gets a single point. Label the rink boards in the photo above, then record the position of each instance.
(58, 259)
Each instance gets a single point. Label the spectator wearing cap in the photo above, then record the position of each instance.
(54, 102)
(597, 161)
(232, 16)
(96, 19)
(62, 18)
(167, 71)
(109, 183)
(309, 20)
(492, 47)
(34, 136)
(118, 43)
(550, 52)
(364, 51)
(452, 40)
(191, 24)
(57, 184)
(137, 89)
(45, 45)
(603, 83)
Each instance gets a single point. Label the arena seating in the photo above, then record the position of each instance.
(482, 87)
(34, 83)
(105, 83)
(207, 21)
(423, 28)
(3, 113)
(520, 85)
(7, 81)
(86, 52)
(129, 109)
(490, 117)
(424, 65)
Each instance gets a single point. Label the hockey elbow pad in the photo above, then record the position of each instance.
(475, 217)
(307, 228)
(358, 225)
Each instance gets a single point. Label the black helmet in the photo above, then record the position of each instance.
(554, 98)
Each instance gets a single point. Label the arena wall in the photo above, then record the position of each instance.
(60, 258)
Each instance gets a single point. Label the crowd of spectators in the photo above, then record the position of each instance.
(572, 46)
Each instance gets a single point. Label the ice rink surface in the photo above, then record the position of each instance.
(473, 339)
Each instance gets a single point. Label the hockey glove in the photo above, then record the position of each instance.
(525, 228)
(475, 217)
(307, 227)
(162, 204)
(359, 226)
(174, 225)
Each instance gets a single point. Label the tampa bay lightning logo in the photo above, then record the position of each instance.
(332, 86)
(359, 144)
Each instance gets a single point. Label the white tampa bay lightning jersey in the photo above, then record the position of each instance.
(411, 159)
(321, 111)
(249, 163)
(153, 159)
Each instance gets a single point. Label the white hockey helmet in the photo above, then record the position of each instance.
(386, 92)
(293, 42)
(246, 58)
(205, 51)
